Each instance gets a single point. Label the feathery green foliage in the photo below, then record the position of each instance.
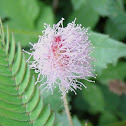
(20, 101)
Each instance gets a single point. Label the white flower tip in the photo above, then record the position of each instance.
(62, 19)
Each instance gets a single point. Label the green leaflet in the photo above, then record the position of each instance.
(20, 101)
(85, 15)
(107, 50)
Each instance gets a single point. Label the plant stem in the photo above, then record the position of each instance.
(67, 110)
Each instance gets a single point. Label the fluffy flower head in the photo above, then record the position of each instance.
(61, 55)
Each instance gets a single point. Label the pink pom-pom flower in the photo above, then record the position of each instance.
(62, 55)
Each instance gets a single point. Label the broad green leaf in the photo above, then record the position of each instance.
(94, 97)
(22, 13)
(46, 16)
(77, 3)
(112, 100)
(79, 102)
(20, 100)
(85, 16)
(107, 7)
(117, 25)
(21, 16)
(117, 21)
(100, 6)
(107, 118)
(113, 72)
(27, 19)
(106, 50)
(25, 36)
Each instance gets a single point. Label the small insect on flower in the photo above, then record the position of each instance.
(62, 55)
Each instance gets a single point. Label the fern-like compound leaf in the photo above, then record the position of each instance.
(20, 101)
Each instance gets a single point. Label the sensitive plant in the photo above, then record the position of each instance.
(21, 103)
(62, 55)
(25, 20)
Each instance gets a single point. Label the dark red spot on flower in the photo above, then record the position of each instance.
(57, 39)
(57, 52)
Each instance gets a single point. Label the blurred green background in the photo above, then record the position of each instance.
(102, 103)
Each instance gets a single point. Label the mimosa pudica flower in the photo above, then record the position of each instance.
(62, 55)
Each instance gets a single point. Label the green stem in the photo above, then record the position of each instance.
(67, 110)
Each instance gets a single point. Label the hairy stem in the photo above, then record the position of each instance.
(67, 110)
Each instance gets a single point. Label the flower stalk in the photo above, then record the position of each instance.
(67, 110)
